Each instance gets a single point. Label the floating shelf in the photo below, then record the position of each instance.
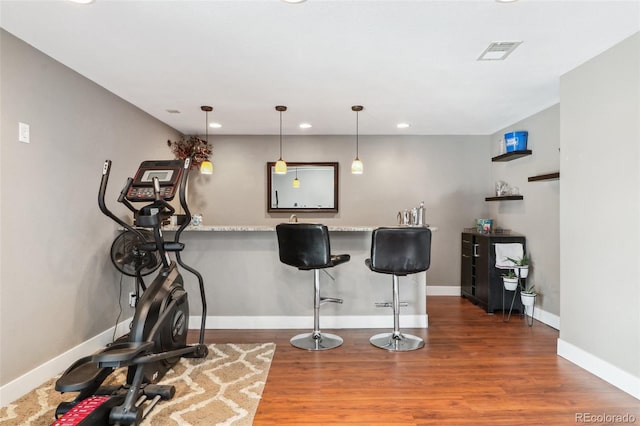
(512, 155)
(505, 198)
(548, 176)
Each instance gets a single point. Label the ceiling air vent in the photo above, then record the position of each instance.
(498, 50)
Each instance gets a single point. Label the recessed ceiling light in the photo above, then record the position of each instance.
(82, 1)
(305, 126)
(294, 1)
(215, 125)
(506, 1)
(403, 125)
(173, 111)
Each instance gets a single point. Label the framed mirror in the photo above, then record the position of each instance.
(316, 191)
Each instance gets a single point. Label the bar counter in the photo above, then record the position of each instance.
(247, 286)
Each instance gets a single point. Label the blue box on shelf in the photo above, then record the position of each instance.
(516, 141)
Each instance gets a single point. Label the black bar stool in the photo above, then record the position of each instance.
(399, 251)
(306, 246)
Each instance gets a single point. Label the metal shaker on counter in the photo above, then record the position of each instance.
(413, 220)
(421, 219)
(404, 217)
(413, 217)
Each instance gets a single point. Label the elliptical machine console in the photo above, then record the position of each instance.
(168, 174)
(158, 335)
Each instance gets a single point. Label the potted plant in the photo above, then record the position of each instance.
(522, 266)
(510, 281)
(528, 295)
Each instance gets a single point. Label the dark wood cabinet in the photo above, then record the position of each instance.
(480, 280)
(467, 275)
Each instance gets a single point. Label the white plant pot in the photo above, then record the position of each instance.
(522, 271)
(510, 284)
(528, 299)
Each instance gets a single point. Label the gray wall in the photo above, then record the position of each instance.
(538, 215)
(58, 287)
(450, 174)
(600, 207)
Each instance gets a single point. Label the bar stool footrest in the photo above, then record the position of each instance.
(390, 304)
(330, 299)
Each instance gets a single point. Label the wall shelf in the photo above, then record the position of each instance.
(512, 155)
(505, 198)
(548, 176)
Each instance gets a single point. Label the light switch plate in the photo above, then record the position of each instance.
(23, 132)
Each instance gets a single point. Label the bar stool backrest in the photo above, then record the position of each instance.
(400, 250)
(304, 245)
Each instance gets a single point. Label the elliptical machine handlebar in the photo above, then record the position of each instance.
(159, 200)
(106, 170)
(183, 198)
(122, 198)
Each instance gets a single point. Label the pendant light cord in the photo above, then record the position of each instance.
(357, 133)
(281, 135)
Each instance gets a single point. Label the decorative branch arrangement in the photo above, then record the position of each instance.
(194, 147)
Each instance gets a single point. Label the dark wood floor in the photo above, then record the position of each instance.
(474, 370)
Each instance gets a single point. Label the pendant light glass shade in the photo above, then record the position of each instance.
(296, 181)
(357, 168)
(206, 167)
(281, 166)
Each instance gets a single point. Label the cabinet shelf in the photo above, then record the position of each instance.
(548, 176)
(512, 155)
(505, 198)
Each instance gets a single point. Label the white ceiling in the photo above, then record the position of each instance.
(404, 61)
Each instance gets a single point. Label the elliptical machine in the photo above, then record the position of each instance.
(157, 338)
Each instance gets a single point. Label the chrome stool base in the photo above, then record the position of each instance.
(316, 342)
(397, 342)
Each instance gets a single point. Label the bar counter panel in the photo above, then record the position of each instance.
(248, 287)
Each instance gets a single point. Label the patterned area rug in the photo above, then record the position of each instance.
(223, 389)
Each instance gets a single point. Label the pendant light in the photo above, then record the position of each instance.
(357, 167)
(281, 166)
(206, 167)
(296, 181)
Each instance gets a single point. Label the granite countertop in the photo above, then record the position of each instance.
(258, 228)
(266, 228)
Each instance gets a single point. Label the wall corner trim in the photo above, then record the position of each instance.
(600, 368)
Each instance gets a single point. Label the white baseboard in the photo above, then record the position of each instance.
(306, 322)
(552, 320)
(607, 372)
(34, 378)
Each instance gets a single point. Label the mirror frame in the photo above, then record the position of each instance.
(334, 209)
